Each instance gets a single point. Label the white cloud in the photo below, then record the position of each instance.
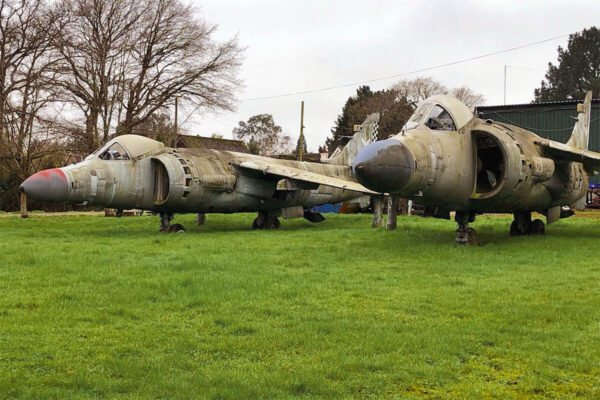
(296, 46)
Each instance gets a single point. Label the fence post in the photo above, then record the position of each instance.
(24, 213)
(392, 213)
(377, 212)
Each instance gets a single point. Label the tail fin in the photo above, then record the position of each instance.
(366, 134)
(580, 137)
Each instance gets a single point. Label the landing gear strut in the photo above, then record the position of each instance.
(165, 223)
(523, 225)
(465, 234)
(266, 221)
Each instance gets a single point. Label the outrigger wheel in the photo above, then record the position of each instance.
(265, 221)
(523, 225)
(177, 228)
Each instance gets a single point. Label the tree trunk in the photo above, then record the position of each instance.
(91, 122)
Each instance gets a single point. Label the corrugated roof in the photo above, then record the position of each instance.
(201, 142)
(529, 106)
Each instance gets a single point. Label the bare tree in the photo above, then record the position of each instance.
(125, 60)
(261, 135)
(26, 140)
(93, 38)
(174, 55)
(468, 96)
(419, 89)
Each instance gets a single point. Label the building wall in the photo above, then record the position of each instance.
(550, 120)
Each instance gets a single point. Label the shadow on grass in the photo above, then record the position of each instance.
(410, 229)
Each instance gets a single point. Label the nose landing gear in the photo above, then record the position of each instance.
(165, 224)
(464, 233)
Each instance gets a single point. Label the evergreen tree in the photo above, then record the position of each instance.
(342, 125)
(394, 108)
(578, 69)
(301, 140)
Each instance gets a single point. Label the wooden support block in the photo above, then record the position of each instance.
(24, 213)
(377, 212)
(201, 219)
(392, 213)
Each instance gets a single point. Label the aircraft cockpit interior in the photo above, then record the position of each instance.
(439, 119)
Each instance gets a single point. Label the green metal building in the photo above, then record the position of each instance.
(549, 120)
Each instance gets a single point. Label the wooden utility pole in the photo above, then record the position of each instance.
(24, 213)
(175, 127)
(504, 84)
(301, 139)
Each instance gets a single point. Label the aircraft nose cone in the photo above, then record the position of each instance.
(385, 166)
(47, 185)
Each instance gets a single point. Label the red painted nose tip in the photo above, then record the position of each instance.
(47, 185)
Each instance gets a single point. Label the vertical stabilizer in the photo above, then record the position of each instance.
(580, 137)
(366, 134)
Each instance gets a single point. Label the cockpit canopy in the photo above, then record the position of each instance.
(441, 112)
(126, 147)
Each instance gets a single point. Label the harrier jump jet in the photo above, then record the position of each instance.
(449, 160)
(136, 172)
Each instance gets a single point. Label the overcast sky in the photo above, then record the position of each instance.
(313, 44)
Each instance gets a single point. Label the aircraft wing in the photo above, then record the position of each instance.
(282, 171)
(589, 159)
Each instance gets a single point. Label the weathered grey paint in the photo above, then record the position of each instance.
(531, 176)
(552, 121)
(153, 177)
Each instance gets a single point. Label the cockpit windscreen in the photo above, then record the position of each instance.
(114, 152)
(440, 119)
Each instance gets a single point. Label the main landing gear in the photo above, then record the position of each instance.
(465, 234)
(523, 225)
(165, 223)
(265, 220)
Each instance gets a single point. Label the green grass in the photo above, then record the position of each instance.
(96, 307)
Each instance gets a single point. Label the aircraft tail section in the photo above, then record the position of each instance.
(580, 137)
(366, 134)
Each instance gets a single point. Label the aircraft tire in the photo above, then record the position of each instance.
(514, 229)
(273, 223)
(537, 227)
(177, 228)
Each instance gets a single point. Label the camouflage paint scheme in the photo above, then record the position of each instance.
(132, 171)
(449, 160)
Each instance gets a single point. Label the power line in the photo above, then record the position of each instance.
(207, 117)
(525, 68)
(408, 73)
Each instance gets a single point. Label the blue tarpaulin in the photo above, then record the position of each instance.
(327, 208)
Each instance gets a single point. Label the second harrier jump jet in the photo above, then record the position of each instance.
(450, 160)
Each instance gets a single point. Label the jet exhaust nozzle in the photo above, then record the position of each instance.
(47, 185)
(384, 166)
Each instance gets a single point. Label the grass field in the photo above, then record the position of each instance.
(102, 307)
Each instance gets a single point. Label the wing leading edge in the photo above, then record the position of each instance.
(282, 171)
